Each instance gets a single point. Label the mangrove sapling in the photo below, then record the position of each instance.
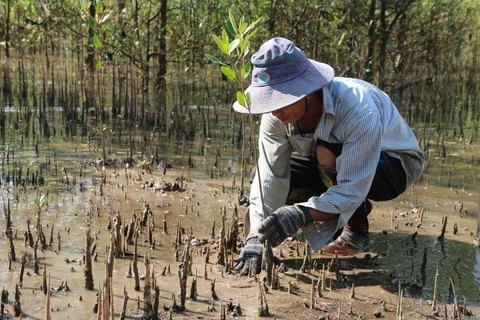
(319, 285)
(135, 264)
(39, 202)
(156, 302)
(193, 288)
(263, 310)
(233, 234)
(238, 69)
(147, 289)
(165, 229)
(124, 305)
(23, 260)
(88, 271)
(307, 258)
(47, 300)
(312, 295)
(182, 278)
(9, 262)
(59, 241)
(424, 267)
(50, 242)
(29, 236)
(17, 306)
(8, 217)
(212, 234)
(45, 287)
(212, 290)
(11, 255)
(221, 249)
(117, 221)
(444, 227)
(434, 298)
(4, 296)
(399, 314)
(268, 261)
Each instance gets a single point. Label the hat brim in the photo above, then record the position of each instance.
(268, 98)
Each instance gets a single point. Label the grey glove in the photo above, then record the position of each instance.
(283, 223)
(250, 257)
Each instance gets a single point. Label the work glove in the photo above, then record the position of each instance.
(250, 257)
(283, 223)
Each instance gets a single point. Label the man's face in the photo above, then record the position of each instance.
(291, 113)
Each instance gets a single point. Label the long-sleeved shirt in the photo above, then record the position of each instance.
(362, 118)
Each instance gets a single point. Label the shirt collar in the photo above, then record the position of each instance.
(328, 100)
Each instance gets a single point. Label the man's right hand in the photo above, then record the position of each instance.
(250, 257)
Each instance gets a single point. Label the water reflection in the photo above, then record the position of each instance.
(402, 259)
(476, 268)
(210, 172)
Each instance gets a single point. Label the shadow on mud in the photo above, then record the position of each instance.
(408, 262)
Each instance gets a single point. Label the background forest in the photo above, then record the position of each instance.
(144, 61)
(90, 79)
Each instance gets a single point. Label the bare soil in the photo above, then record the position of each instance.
(366, 286)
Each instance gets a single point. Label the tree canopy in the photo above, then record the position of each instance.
(422, 52)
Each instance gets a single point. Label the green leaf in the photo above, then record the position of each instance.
(243, 27)
(39, 201)
(97, 64)
(233, 45)
(85, 6)
(105, 26)
(248, 100)
(221, 45)
(231, 29)
(228, 72)
(105, 17)
(251, 26)
(247, 68)
(246, 50)
(91, 22)
(246, 41)
(214, 59)
(240, 23)
(98, 6)
(241, 98)
(225, 37)
(231, 19)
(342, 38)
(96, 41)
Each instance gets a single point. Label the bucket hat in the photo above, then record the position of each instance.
(282, 75)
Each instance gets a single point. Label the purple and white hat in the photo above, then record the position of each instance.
(282, 75)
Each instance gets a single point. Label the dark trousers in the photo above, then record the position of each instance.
(388, 183)
(305, 181)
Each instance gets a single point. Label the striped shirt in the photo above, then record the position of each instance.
(362, 118)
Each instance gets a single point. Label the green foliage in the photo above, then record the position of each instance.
(39, 201)
(235, 45)
(406, 47)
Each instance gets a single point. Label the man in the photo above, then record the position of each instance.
(341, 138)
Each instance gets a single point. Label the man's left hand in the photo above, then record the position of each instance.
(283, 223)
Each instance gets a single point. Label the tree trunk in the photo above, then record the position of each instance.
(384, 34)
(90, 66)
(160, 82)
(272, 18)
(7, 30)
(91, 48)
(372, 37)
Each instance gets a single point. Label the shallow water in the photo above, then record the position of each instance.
(208, 190)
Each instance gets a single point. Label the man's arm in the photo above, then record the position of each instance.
(273, 175)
